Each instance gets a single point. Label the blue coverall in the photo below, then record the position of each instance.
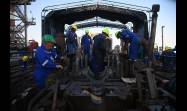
(54, 54)
(98, 54)
(71, 42)
(44, 66)
(86, 41)
(169, 60)
(157, 56)
(72, 46)
(134, 43)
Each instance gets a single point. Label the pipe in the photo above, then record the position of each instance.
(162, 39)
(155, 9)
(25, 13)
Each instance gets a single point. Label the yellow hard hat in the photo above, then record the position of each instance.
(117, 35)
(87, 31)
(25, 58)
(106, 31)
(74, 26)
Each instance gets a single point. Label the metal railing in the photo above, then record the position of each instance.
(93, 2)
(107, 3)
(99, 19)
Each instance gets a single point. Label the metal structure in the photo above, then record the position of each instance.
(105, 9)
(19, 23)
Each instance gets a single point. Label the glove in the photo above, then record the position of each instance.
(59, 67)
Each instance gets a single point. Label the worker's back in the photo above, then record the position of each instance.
(71, 42)
(86, 41)
(134, 40)
(98, 54)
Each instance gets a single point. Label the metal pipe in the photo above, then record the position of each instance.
(155, 9)
(162, 39)
(25, 13)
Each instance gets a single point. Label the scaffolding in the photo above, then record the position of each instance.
(19, 23)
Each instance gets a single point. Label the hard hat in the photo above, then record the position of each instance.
(106, 31)
(117, 34)
(74, 26)
(25, 58)
(48, 38)
(86, 31)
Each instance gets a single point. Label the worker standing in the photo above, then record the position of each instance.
(72, 45)
(32, 47)
(86, 44)
(44, 63)
(99, 52)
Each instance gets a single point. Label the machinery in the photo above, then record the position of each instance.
(79, 90)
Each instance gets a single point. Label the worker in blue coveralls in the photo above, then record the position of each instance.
(134, 41)
(169, 59)
(129, 37)
(99, 52)
(44, 61)
(71, 45)
(86, 44)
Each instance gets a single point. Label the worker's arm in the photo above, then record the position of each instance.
(91, 42)
(43, 60)
(55, 54)
(82, 40)
(75, 39)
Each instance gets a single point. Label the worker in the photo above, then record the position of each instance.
(72, 45)
(32, 48)
(44, 64)
(133, 39)
(135, 42)
(169, 59)
(86, 44)
(24, 62)
(24, 59)
(99, 52)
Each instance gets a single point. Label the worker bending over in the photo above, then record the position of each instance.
(133, 39)
(44, 61)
